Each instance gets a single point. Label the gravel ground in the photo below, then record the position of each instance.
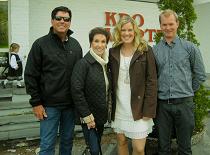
(28, 147)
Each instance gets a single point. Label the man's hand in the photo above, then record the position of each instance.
(39, 112)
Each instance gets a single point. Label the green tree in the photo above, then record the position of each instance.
(187, 17)
(3, 24)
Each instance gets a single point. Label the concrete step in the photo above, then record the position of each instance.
(14, 131)
(17, 102)
(19, 91)
(15, 112)
(11, 94)
(5, 95)
(6, 105)
(17, 119)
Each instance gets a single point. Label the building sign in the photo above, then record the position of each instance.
(112, 18)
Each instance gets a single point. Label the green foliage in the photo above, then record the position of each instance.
(3, 24)
(186, 14)
(187, 17)
(202, 104)
(158, 36)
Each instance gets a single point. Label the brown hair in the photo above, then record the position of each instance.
(99, 30)
(14, 46)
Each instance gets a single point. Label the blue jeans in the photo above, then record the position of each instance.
(91, 138)
(63, 118)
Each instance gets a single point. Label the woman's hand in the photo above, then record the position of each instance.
(17, 67)
(91, 124)
(146, 118)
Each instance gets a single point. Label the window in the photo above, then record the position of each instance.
(3, 37)
(3, 24)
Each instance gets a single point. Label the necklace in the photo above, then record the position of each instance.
(127, 56)
(127, 76)
(126, 65)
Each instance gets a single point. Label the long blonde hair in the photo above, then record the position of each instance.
(139, 43)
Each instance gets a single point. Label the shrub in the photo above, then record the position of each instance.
(202, 105)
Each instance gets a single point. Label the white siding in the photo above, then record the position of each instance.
(19, 24)
(202, 31)
(87, 15)
(30, 19)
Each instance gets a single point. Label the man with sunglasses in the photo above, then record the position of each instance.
(47, 79)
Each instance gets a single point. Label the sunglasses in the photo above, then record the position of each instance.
(59, 18)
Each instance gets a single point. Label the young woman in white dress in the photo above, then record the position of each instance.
(134, 85)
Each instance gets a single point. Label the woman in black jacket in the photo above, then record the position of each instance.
(90, 88)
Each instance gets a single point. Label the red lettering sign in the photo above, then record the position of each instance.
(141, 19)
(111, 18)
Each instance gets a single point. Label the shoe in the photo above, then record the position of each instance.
(3, 85)
(20, 86)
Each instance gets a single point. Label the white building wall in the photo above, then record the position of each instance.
(202, 31)
(87, 15)
(19, 24)
(30, 19)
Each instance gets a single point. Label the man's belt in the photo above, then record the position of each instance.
(176, 100)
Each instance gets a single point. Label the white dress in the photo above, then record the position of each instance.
(124, 122)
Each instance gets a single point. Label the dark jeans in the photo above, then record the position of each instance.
(91, 138)
(63, 118)
(179, 116)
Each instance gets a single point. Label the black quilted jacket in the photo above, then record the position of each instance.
(89, 90)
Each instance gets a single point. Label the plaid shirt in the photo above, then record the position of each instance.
(180, 68)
